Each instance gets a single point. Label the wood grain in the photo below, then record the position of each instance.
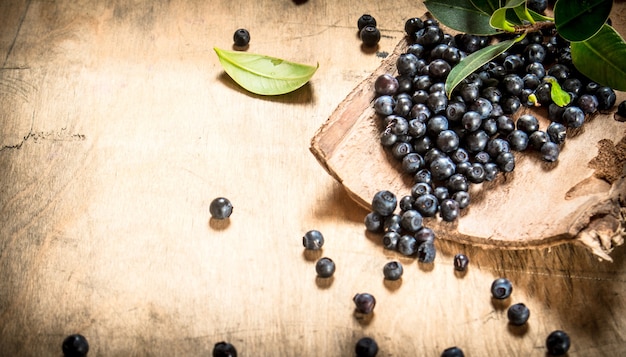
(118, 129)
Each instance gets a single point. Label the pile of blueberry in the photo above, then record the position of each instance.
(448, 143)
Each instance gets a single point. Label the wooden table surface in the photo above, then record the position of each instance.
(118, 129)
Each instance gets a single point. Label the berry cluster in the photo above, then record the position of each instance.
(448, 143)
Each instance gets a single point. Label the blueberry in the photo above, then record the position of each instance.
(442, 168)
(518, 140)
(393, 270)
(325, 267)
(437, 102)
(407, 245)
(559, 71)
(482, 157)
(423, 176)
(557, 343)
(471, 120)
(386, 84)
(422, 144)
(436, 124)
(535, 52)
(429, 36)
(491, 171)
(513, 63)
(459, 155)
(452, 352)
(501, 288)
(426, 252)
(390, 240)
(427, 205)
(550, 151)
(496, 146)
(404, 103)
(538, 6)
(439, 69)
(417, 128)
(469, 92)
(366, 347)
(506, 162)
(460, 262)
(384, 202)
(527, 123)
(75, 346)
(588, 103)
(384, 105)
(424, 234)
(476, 141)
(313, 240)
(406, 203)
(537, 139)
(412, 25)
(392, 223)
(511, 104)
(447, 141)
(224, 349)
(476, 173)
(241, 37)
(512, 84)
(370, 36)
(406, 64)
(457, 182)
(220, 208)
(412, 162)
(449, 210)
(364, 303)
(606, 98)
(420, 189)
(365, 20)
(573, 117)
(531, 81)
(463, 198)
(441, 193)
(518, 314)
(492, 94)
(557, 132)
(411, 220)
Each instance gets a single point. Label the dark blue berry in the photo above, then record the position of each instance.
(221, 208)
(476, 173)
(559, 71)
(511, 104)
(496, 146)
(224, 349)
(463, 198)
(314, 240)
(535, 52)
(550, 151)
(393, 270)
(461, 262)
(537, 139)
(384, 105)
(588, 103)
(426, 205)
(447, 141)
(557, 343)
(476, 141)
(555, 112)
(390, 240)
(449, 210)
(423, 176)
(501, 288)
(557, 132)
(518, 314)
(518, 140)
(426, 252)
(412, 25)
(366, 347)
(384, 202)
(429, 36)
(406, 64)
(370, 36)
(325, 267)
(441, 193)
(512, 84)
(364, 303)
(505, 124)
(471, 121)
(573, 117)
(412, 162)
(407, 245)
(538, 6)
(392, 223)
(373, 223)
(439, 69)
(470, 92)
(411, 220)
(75, 346)
(241, 37)
(513, 63)
(457, 182)
(442, 168)
(452, 352)
(365, 20)
(606, 98)
(527, 123)
(386, 84)
(437, 102)
(506, 162)
(491, 171)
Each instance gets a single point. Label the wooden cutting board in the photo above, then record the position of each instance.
(580, 198)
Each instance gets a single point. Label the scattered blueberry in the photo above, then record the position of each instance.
(501, 288)
(364, 303)
(370, 36)
(426, 252)
(557, 343)
(461, 262)
(366, 347)
(518, 314)
(221, 208)
(325, 267)
(241, 37)
(452, 352)
(384, 203)
(393, 270)
(313, 240)
(75, 346)
(366, 20)
(224, 349)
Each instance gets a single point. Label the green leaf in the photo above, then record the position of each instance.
(509, 15)
(264, 75)
(602, 58)
(523, 13)
(539, 17)
(579, 20)
(476, 60)
(558, 95)
(487, 6)
(461, 15)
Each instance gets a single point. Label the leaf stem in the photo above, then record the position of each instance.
(537, 26)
